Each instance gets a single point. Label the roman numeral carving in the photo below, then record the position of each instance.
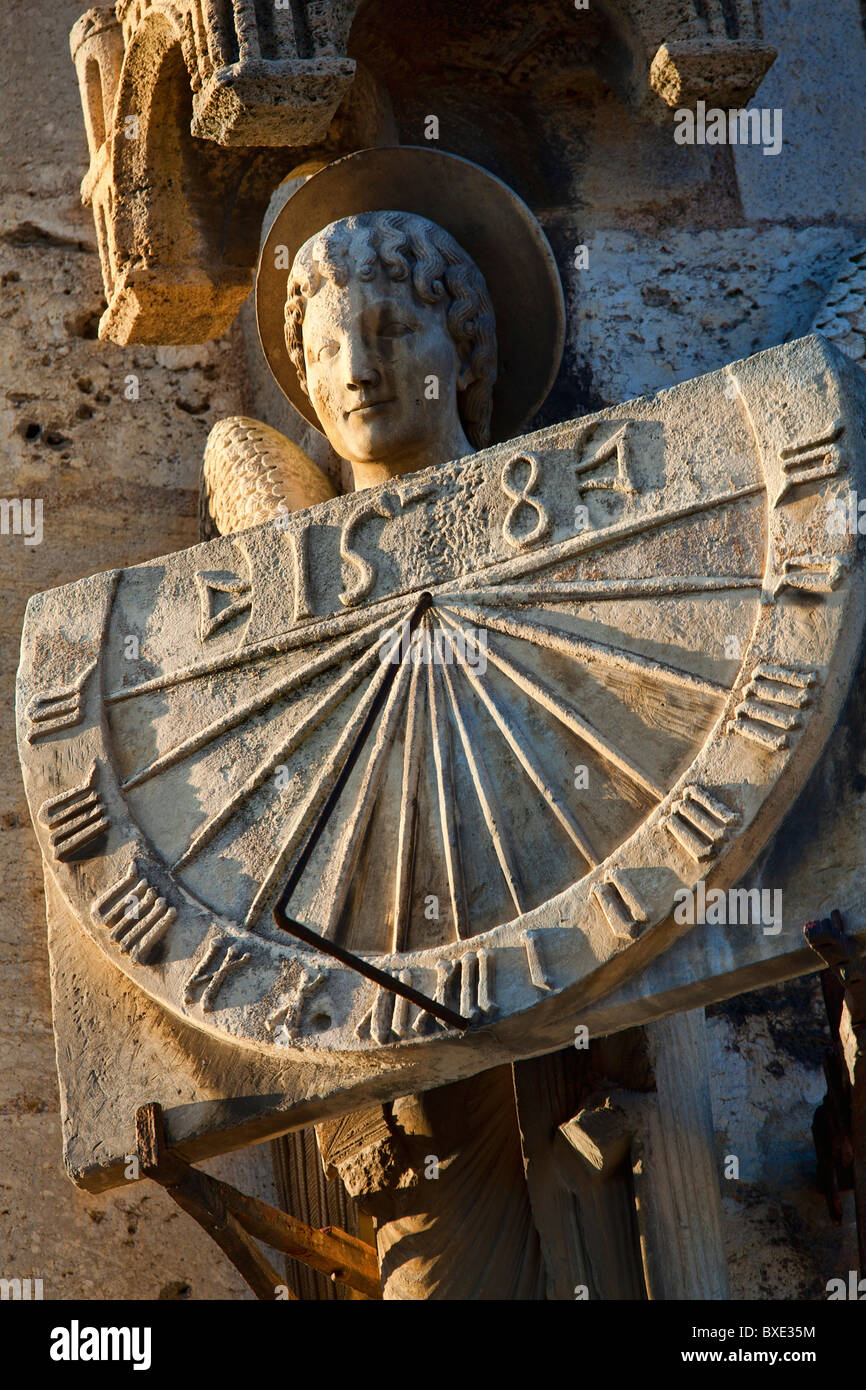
(622, 908)
(698, 822)
(56, 709)
(618, 447)
(221, 600)
(538, 972)
(220, 960)
(810, 462)
(301, 573)
(74, 819)
(135, 916)
(388, 1016)
(286, 1018)
(465, 984)
(771, 706)
(811, 574)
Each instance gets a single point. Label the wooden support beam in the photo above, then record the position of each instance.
(236, 1221)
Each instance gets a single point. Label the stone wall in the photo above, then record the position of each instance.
(695, 258)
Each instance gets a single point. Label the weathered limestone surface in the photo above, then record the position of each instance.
(128, 473)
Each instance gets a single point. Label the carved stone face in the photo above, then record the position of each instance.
(383, 373)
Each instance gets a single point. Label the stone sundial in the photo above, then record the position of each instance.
(639, 633)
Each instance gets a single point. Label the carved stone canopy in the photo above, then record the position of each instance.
(195, 104)
(579, 744)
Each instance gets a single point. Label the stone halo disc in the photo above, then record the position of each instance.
(484, 216)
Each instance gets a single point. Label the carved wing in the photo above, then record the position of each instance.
(251, 473)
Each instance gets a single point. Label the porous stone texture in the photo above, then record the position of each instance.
(819, 83)
(654, 310)
(766, 1051)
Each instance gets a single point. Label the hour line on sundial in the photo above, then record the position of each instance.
(337, 625)
(590, 649)
(587, 591)
(446, 804)
(296, 679)
(344, 862)
(324, 800)
(487, 799)
(509, 727)
(566, 715)
(408, 812)
(503, 570)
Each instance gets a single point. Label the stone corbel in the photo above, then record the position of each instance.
(693, 50)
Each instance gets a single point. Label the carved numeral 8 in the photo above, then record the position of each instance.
(522, 496)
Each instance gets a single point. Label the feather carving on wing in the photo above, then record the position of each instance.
(251, 473)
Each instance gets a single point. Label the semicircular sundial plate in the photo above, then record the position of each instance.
(641, 628)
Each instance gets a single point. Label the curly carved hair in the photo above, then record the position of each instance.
(407, 247)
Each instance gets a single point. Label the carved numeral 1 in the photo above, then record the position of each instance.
(623, 910)
(74, 818)
(538, 972)
(136, 918)
(221, 959)
(698, 821)
(771, 707)
(808, 463)
(58, 709)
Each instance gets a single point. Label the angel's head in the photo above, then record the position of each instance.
(391, 331)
